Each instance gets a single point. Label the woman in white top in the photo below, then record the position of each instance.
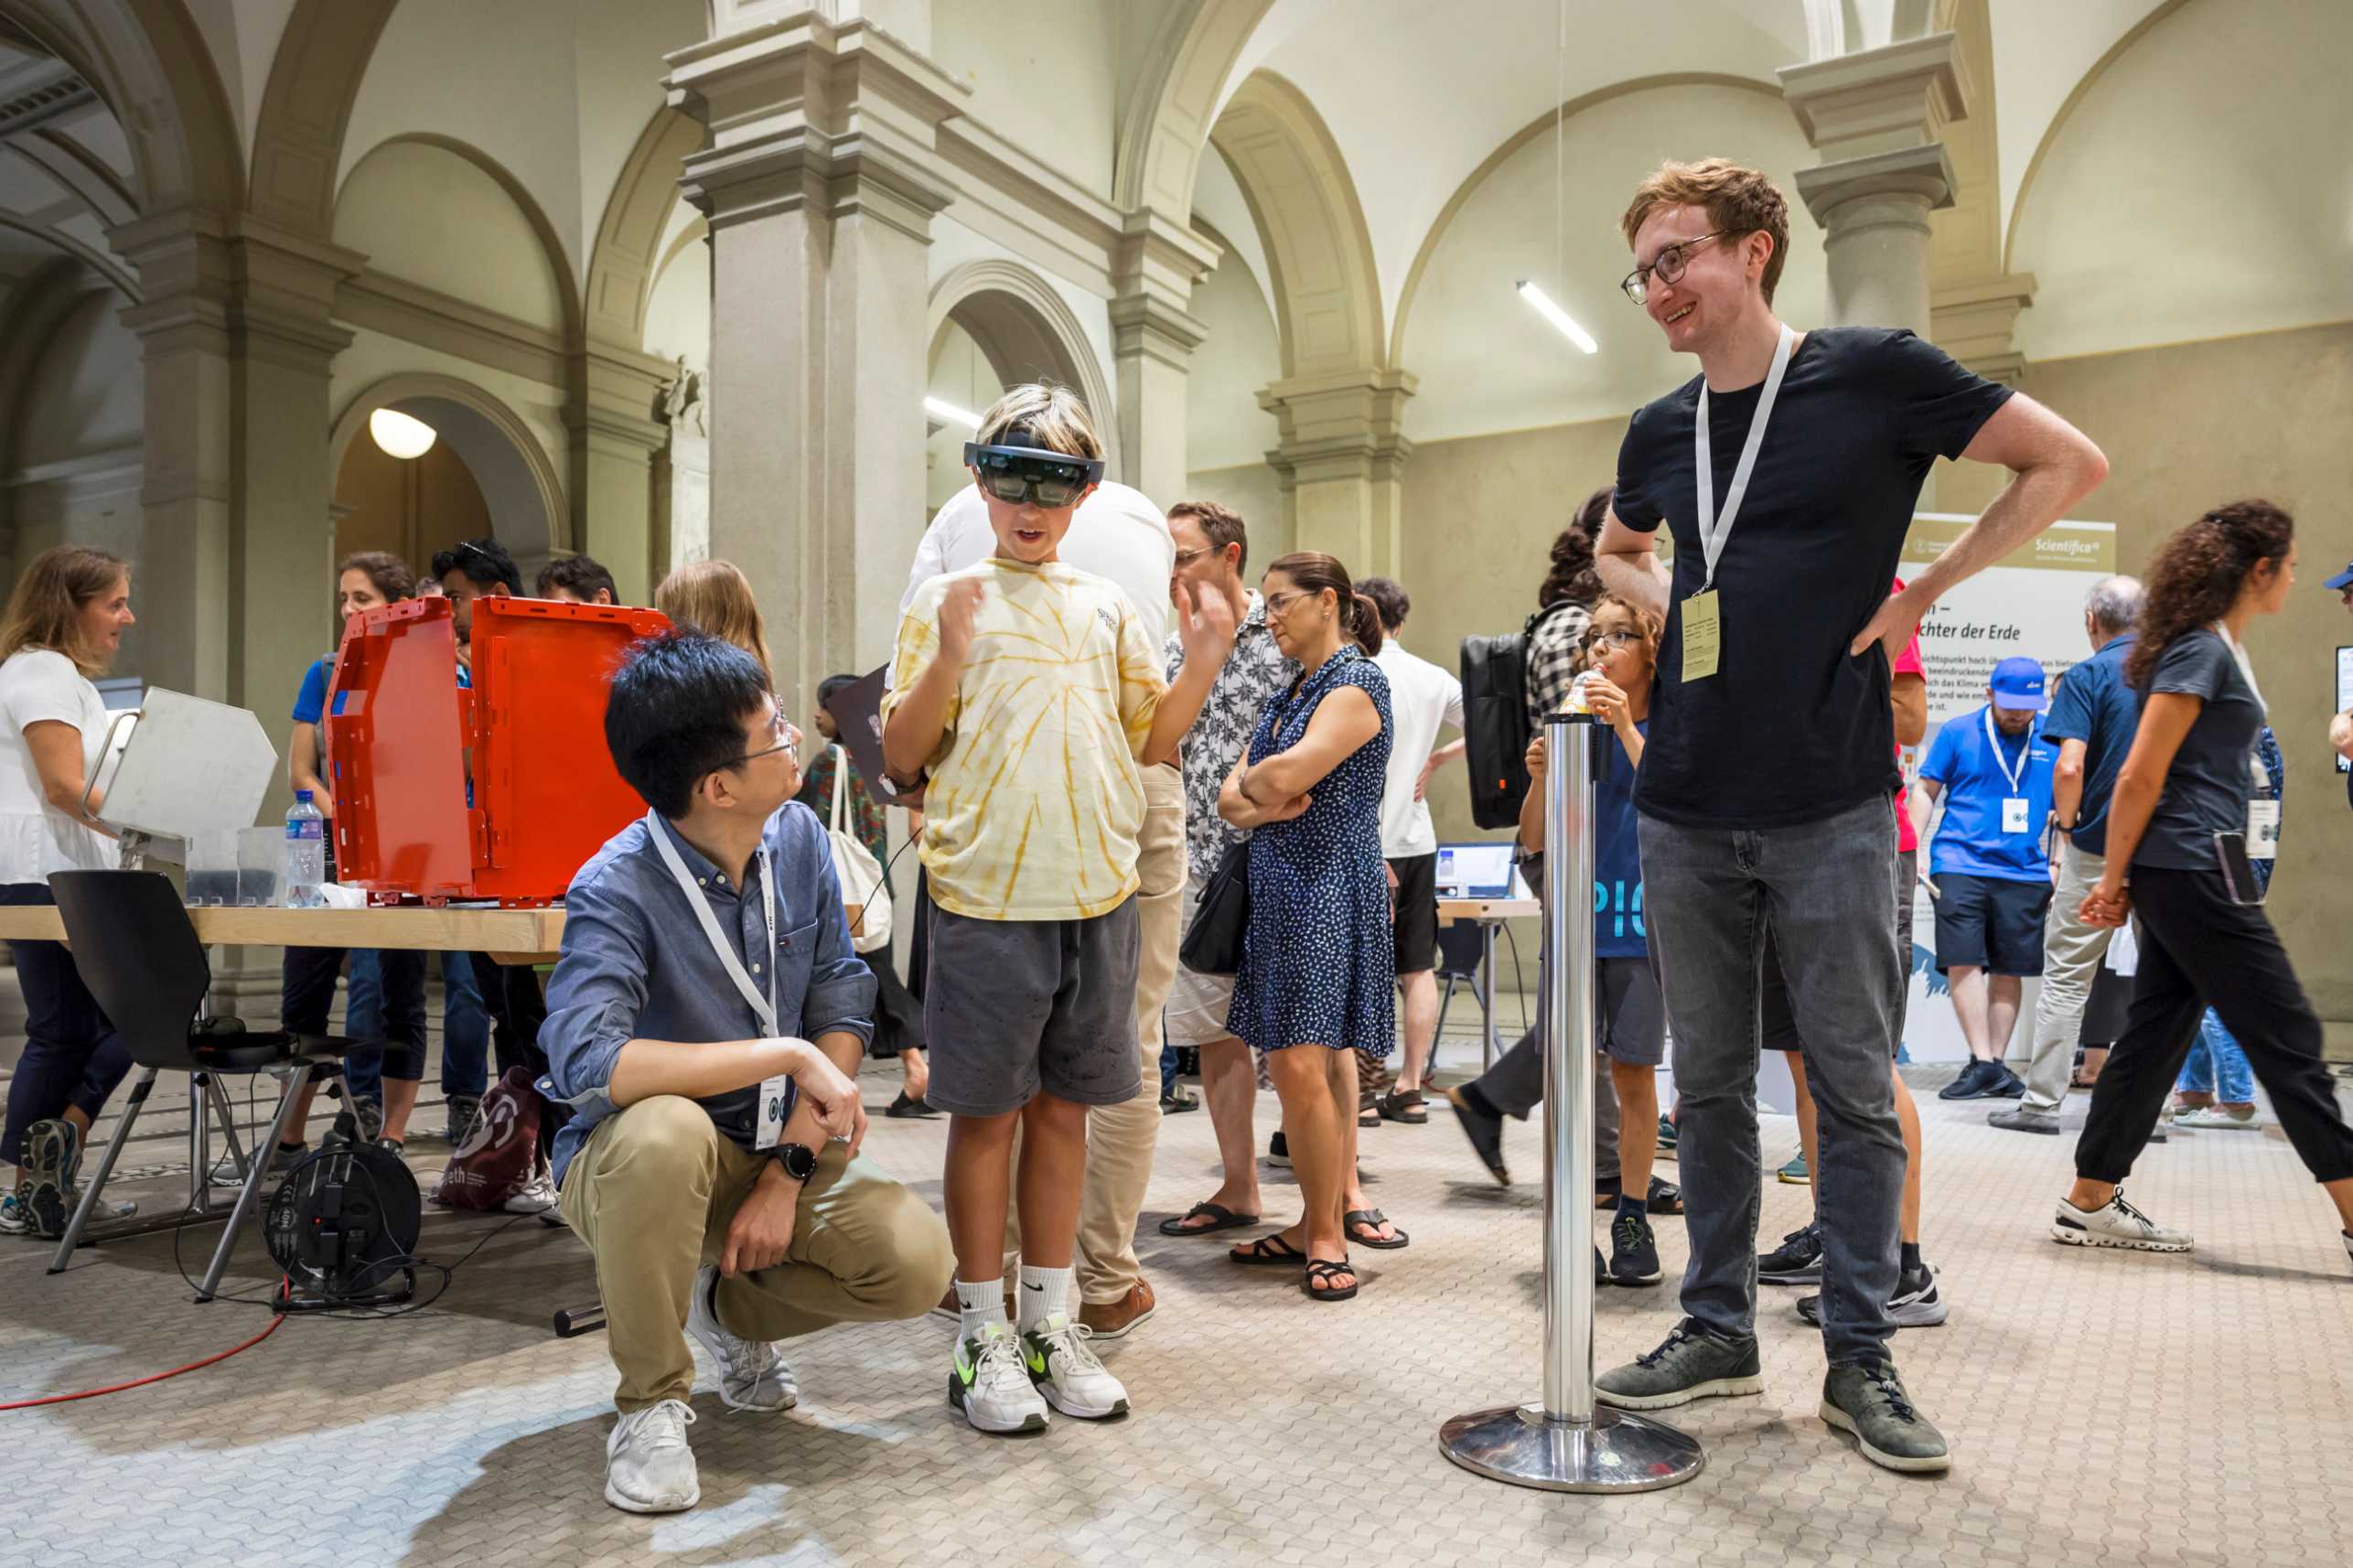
(64, 624)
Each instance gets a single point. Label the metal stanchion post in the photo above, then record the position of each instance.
(1566, 1443)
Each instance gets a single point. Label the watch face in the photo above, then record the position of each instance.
(800, 1163)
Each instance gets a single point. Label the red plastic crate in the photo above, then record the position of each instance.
(546, 796)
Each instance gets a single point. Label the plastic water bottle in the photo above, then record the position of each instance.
(306, 853)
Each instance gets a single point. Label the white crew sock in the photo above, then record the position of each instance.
(1044, 1292)
(978, 1305)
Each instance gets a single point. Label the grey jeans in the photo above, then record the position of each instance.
(1826, 890)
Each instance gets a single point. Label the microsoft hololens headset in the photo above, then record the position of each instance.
(1033, 475)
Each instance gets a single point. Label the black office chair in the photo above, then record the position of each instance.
(1459, 947)
(138, 953)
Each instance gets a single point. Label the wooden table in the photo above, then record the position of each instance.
(509, 936)
(1489, 913)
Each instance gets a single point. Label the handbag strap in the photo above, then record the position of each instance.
(840, 784)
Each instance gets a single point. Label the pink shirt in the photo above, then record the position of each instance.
(1908, 664)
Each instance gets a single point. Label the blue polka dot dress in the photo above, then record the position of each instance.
(1318, 965)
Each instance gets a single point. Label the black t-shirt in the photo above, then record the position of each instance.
(1790, 728)
(2208, 787)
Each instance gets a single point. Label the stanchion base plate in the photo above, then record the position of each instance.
(1617, 1452)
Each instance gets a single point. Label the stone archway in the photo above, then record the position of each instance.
(518, 481)
(307, 107)
(1026, 330)
(1167, 120)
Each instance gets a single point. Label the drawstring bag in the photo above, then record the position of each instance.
(499, 1154)
(857, 870)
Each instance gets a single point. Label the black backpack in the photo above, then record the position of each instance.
(1495, 722)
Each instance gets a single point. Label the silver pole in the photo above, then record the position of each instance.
(1567, 1442)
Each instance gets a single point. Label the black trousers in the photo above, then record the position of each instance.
(2199, 949)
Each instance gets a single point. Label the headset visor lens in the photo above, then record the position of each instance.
(1015, 475)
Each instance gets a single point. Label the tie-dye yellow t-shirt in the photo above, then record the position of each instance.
(1036, 799)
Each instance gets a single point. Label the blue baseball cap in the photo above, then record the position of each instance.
(2018, 683)
(2342, 581)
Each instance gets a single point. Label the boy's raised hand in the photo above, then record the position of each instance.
(958, 614)
(1205, 626)
(1534, 760)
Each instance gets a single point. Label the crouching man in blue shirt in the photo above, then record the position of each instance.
(705, 1022)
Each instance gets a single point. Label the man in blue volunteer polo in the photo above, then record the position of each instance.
(1991, 865)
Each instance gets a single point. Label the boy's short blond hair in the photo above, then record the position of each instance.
(1048, 417)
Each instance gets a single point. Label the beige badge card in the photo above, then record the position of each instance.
(1703, 636)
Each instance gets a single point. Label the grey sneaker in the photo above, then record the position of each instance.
(1869, 1402)
(231, 1172)
(359, 1122)
(463, 1108)
(1916, 1304)
(2019, 1120)
(1798, 1261)
(1692, 1364)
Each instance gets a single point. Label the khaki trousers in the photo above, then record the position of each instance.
(652, 1194)
(1121, 1138)
(2072, 953)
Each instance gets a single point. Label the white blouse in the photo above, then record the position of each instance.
(36, 838)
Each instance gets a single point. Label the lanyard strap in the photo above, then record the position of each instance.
(1714, 530)
(763, 1005)
(841, 785)
(2001, 758)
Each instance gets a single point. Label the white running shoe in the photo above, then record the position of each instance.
(534, 1197)
(1065, 1369)
(2118, 1224)
(649, 1467)
(752, 1376)
(989, 1383)
(2217, 1119)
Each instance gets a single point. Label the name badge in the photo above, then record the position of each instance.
(1703, 636)
(776, 1102)
(2014, 815)
(2262, 830)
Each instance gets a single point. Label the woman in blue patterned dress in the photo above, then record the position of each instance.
(1317, 978)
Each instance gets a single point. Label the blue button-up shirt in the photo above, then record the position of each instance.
(635, 964)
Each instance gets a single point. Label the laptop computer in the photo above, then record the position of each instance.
(1476, 870)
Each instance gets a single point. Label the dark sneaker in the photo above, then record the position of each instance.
(904, 1108)
(1916, 1303)
(1869, 1402)
(2018, 1119)
(1176, 1101)
(53, 1149)
(1692, 1364)
(1485, 1133)
(463, 1108)
(359, 1122)
(1633, 1252)
(1278, 1153)
(1798, 1261)
(229, 1172)
(2006, 1084)
(1976, 1081)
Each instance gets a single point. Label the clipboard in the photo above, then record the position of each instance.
(857, 714)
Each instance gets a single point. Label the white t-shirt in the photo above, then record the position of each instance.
(36, 838)
(1421, 696)
(1117, 534)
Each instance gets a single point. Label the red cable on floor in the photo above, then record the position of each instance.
(157, 1378)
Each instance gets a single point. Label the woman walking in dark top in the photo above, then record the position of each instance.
(2180, 822)
(1317, 982)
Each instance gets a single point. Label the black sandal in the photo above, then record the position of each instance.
(1256, 1254)
(1221, 1217)
(1372, 1220)
(1325, 1269)
(1404, 1105)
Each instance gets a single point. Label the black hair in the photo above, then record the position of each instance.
(483, 560)
(1392, 601)
(579, 575)
(1572, 579)
(830, 684)
(675, 714)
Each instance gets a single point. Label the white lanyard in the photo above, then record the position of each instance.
(763, 1005)
(2246, 665)
(1714, 530)
(2001, 758)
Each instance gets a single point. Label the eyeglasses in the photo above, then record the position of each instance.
(1030, 475)
(1186, 558)
(1277, 603)
(1614, 639)
(788, 740)
(1668, 265)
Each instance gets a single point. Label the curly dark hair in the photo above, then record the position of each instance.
(2198, 572)
(1573, 578)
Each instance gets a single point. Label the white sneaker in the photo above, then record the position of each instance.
(752, 1376)
(2216, 1119)
(649, 1467)
(536, 1197)
(15, 1218)
(989, 1383)
(2119, 1224)
(1065, 1369)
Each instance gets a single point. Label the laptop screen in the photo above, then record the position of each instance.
(1474, 870)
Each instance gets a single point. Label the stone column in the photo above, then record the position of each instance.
(1153, 339)
(819, 182)
(1341, 463)
(609, 414)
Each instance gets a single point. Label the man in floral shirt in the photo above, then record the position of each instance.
(1211, 550)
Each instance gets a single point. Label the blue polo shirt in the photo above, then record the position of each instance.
(310, 702)
(1970, 839)
(2099, 707)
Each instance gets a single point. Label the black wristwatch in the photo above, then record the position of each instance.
(798, 1160)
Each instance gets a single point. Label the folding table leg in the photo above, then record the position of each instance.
(90, 1189)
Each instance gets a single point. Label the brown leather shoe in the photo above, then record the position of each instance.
(1112, 1319)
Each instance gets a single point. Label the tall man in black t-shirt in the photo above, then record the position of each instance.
(1787, 472)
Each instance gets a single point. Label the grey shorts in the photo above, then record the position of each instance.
(1632, 1023)
(1012, 1007)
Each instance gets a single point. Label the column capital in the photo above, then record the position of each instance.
(1976, 323)
(1159, 257)
(1342, 425)
(1897, 96)
(804, 113)
(1840, 194)
(1145, 324)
